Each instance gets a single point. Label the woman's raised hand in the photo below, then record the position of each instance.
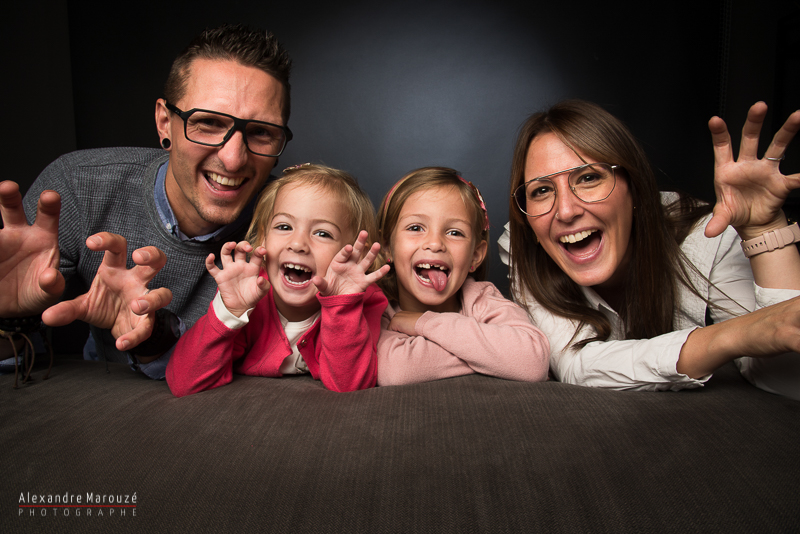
(751, 191)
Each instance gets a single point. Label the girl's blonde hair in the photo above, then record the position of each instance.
(358, 207)
(420, 180)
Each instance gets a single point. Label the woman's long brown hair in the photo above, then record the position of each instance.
(656, 269)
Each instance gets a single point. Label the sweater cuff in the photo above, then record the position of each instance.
(419, 327)
(340, 300)
(226, 317)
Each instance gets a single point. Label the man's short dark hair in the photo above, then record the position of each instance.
(239, 43)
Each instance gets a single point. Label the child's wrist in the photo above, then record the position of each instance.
(232, 318)
(349, 289)
(236, 310)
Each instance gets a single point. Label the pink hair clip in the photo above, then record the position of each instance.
(295, 167)
(480, 201)
(388, 199)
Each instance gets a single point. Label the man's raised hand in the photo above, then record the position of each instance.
(29, 256)
(118, 299)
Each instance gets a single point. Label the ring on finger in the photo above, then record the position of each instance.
(776, 159)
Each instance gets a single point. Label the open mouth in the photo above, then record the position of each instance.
(223, 183)
(296, 275)
(582, 243)
(433, 274)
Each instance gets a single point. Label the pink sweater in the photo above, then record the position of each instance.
(339, 348)
(491, 335)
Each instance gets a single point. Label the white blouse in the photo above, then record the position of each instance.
(650, 364)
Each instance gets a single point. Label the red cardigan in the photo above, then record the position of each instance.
(340, 348)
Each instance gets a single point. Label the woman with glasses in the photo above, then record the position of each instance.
(622, 278)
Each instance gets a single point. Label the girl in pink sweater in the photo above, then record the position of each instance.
(304, 302)
(443, 321)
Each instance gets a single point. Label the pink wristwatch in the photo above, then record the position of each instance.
(769, 241)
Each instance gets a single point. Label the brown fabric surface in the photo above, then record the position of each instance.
(471, 454)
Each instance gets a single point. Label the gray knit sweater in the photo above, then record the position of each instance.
(111, 190)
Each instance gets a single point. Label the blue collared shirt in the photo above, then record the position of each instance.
(171, 222)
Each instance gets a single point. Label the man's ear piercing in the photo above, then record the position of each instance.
(166, 143)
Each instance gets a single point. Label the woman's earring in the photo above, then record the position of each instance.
(166, 143)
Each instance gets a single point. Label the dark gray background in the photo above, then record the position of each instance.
(383, 88)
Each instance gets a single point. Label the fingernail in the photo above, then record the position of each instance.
(143, 305)
(124, 345)
(96, 240)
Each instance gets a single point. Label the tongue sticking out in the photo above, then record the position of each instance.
(437, 277)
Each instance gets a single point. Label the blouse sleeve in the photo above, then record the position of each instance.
(650, 364)
(635, 364)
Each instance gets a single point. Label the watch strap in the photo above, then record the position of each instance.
(769, 241)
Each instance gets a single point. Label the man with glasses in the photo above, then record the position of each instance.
(222, 126)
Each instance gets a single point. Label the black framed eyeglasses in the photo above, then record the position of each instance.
(592, 182)
(212, 128)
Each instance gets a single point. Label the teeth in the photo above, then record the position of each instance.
(297, 267)
(294, 283)
(429, 266)
(574, 238)
(222, 180)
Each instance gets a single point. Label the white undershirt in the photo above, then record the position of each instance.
(294, 363)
